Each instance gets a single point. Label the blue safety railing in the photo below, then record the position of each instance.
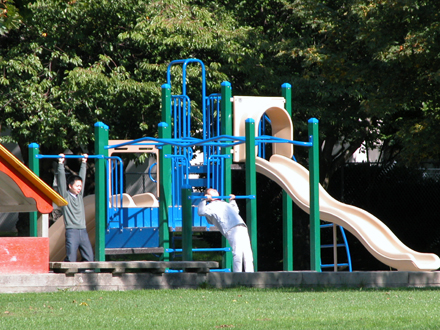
(181, 103)
(185, 63)
(215, 173)
(115, 188)
(181, 112)
(179, 176)
(212, 125)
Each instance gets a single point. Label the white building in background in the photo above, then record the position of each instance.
(364, 155)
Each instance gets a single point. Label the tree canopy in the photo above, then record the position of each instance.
(74, 63)
(367, 69)
(9, 16)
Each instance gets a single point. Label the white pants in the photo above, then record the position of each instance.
(238, 238)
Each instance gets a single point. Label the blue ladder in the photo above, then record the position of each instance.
(336, 245)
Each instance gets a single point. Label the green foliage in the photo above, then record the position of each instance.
(419, 134)
(363, 66)
(78, 62)
(9, 16)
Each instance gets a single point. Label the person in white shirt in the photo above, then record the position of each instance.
(225, 217)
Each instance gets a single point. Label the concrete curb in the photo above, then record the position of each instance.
(52, 282)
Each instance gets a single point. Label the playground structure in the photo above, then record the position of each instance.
(146, 223)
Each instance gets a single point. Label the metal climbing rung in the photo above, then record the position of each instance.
(335, 246)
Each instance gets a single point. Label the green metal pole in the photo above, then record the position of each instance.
(287, 232)
(187, 246)
(226, 129)
(34, 165)
(315, 230)
(251, 187)
(165, 172)
(286, 92)
(101, 141)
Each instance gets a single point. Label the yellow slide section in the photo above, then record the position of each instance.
(57, 238)
(371, 232)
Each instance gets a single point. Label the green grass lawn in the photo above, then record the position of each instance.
(239, 308)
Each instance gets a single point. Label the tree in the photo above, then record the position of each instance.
(368, 70)
(74, 63)
(9, 17)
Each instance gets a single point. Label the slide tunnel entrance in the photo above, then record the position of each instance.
(255, 107)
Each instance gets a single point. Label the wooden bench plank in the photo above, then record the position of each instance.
(120, 267)
(117, 251)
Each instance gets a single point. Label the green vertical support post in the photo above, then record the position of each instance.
(315, 230)
(287, 232)
(165, 171)
(286, 92)
(226, 129)
(187, 246)
(101, 200)
(34, 165)
(251, 187)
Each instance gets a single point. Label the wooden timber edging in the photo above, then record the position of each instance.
(121, 267)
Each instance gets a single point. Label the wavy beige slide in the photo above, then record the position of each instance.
(371, 232)
(57, 238)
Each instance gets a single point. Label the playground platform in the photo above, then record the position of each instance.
(120, 281)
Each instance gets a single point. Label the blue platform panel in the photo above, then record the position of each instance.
(133, 217)
(146, 237)
(132, 228)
